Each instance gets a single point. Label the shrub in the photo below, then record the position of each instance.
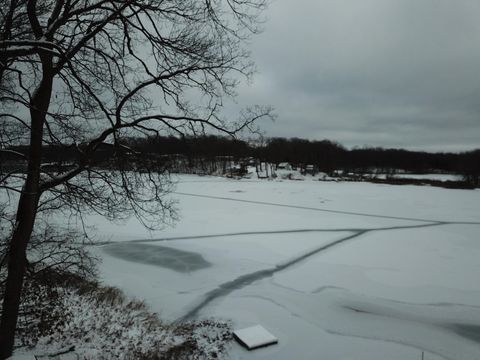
(101, 323)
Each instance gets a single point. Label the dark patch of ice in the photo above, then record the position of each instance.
(170, 258)
(468, 331)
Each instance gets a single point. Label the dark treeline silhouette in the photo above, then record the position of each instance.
(202, 146)
(328, 156)
(211, 153)
(325, 155)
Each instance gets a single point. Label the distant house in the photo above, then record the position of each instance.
(309, 169)
(284, 166)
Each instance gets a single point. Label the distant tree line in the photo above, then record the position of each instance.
(208, 153)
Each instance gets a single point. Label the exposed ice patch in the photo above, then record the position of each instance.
(173, 259)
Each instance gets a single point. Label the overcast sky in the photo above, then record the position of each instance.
(391, 73)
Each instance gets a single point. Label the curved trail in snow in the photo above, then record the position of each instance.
(244, 280)
(290, 231)
(349, 234)
(320, 209)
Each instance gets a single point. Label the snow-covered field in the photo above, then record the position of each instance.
(333, 270)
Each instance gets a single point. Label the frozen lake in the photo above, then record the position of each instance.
(333, 270)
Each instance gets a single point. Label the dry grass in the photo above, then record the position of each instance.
(102, 323)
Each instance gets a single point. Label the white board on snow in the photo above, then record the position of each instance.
(254, 337)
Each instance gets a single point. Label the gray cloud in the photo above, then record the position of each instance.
(394, 73)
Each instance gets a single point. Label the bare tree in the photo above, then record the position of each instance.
(79, 75)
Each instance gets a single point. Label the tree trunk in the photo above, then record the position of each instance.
(16, 270)
(26, 214)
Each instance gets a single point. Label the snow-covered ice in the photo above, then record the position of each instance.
(334, 270)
